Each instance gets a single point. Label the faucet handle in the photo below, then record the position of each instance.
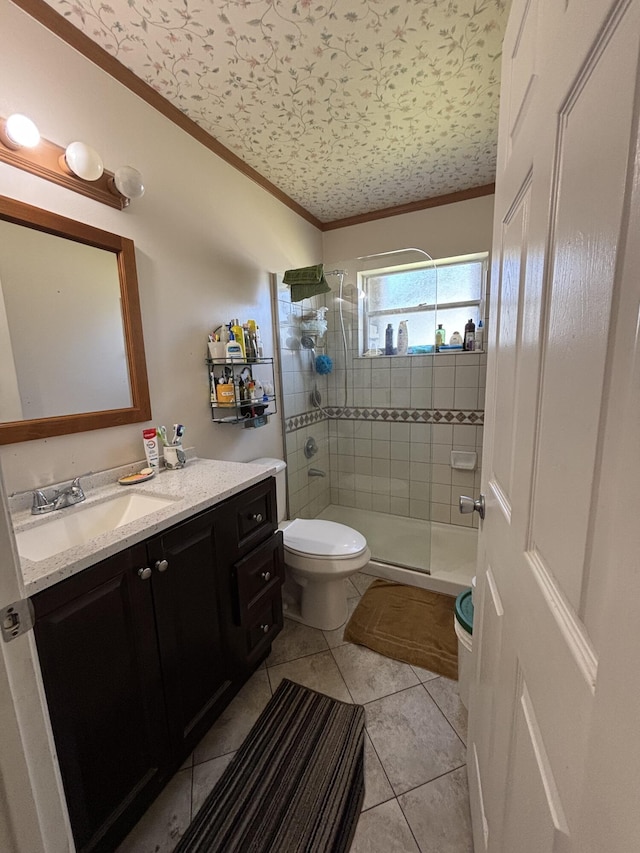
(40, 503)
(76, 491)
(39, 498)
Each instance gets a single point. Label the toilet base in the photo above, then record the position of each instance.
(319, 605)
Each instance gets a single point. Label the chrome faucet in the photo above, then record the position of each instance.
(59, 499)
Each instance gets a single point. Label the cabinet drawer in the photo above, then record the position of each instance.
(258, 576)
(254, 515)
(265, 626)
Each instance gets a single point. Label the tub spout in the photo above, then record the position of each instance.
(316, 472)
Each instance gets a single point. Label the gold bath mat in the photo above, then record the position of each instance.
(407, 624)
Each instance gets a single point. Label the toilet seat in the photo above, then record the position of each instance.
(320, 539)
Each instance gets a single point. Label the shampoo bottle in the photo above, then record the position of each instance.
(388, 340)
(480, 336)
(470, 336)
(440, 337)
(403, 338)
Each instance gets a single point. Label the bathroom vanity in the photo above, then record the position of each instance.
(143, 647)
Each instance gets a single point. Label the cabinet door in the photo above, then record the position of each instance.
(196, 669)
(99, 659)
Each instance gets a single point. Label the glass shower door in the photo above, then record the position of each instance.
(379, 409)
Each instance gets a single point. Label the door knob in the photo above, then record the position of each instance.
(257, 516)
(468, 504)
(266, 576)
(162, 565)
(264, 629)
(144, 574)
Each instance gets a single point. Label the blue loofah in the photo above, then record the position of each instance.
(323, 365)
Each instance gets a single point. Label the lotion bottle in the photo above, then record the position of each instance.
(480, 336)
(403, 338)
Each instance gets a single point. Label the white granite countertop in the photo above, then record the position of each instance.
(202, 483)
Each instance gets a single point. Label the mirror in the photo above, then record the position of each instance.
(71, 347)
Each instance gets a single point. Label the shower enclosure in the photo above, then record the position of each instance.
(369, 443)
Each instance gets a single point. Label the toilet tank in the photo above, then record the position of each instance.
(281, 482)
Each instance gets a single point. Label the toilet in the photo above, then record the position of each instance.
(319, 556)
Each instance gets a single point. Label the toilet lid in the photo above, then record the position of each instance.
(322, 538)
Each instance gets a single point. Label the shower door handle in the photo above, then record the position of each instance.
(468, 504)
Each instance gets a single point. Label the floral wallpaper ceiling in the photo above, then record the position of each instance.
(348, 106)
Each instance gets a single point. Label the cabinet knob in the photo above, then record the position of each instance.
(144, 574)
(162, 565)
(264, 629)
(266, 576)
(257, 516)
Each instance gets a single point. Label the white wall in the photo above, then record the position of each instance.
(206, 240)
(443, 232)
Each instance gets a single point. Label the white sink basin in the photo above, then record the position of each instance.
(83, 524)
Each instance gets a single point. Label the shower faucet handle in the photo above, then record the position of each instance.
(467, 504)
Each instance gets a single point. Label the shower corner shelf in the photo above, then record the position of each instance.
(238, 407)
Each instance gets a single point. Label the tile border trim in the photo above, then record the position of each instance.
(473, 417)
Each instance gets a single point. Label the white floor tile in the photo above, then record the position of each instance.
(413, 739)
(384, 829)
(438, 814)
(318, 672)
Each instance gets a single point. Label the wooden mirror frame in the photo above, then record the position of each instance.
(140, 410)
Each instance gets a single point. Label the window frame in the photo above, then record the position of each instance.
(422, 308)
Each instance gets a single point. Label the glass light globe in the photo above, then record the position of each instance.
(128, 182)
(84, 161)
(21, 131)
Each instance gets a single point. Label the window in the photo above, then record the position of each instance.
(425, 294)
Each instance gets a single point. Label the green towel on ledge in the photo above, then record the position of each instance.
(306, 281)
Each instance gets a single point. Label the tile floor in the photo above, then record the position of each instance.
(416, 798)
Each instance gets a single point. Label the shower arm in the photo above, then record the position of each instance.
(396, 252)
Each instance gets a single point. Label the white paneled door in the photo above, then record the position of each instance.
(555, 699)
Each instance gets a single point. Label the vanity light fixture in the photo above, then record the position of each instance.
(19, 131)
(83, 161)
(77, 167)
(127, 181)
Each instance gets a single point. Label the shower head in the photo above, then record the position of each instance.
(307, 342)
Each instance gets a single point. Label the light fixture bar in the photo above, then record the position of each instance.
(43, 161)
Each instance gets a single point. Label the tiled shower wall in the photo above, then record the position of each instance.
(389, 449)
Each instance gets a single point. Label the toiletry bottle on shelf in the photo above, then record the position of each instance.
(234, 350)
(259, 348)
(388, 340)
(440, 337)
(480, 336)
(247, 343)
(238, 335)
(456, 340)
(403, 338)
(470, 336)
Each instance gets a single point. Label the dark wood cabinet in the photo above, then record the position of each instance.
(141, 653)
